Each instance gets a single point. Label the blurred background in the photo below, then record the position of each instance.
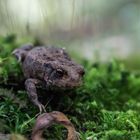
(96, 30)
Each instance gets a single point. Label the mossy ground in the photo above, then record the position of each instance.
(105, 107)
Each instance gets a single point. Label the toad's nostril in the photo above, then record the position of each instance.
(82, 72)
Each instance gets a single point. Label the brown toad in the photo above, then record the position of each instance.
(47, 65)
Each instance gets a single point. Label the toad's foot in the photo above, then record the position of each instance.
(30, 85)
(41, 109)
(47, 119)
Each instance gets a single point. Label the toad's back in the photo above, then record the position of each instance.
(47, 53)
(35, 59)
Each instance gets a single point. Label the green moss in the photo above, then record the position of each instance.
(105, 107)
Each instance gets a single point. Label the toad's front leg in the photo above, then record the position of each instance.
(30, 85)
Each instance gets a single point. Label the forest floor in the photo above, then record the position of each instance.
(105, 107)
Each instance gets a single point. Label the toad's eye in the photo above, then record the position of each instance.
(59, 72)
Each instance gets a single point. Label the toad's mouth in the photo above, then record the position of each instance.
(66, 85)
(74, 85)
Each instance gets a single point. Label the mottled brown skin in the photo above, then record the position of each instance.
(51, 67)
(47, 66)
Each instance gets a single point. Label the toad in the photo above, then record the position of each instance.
(47, 66)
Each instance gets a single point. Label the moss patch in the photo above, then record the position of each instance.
(105, 107)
